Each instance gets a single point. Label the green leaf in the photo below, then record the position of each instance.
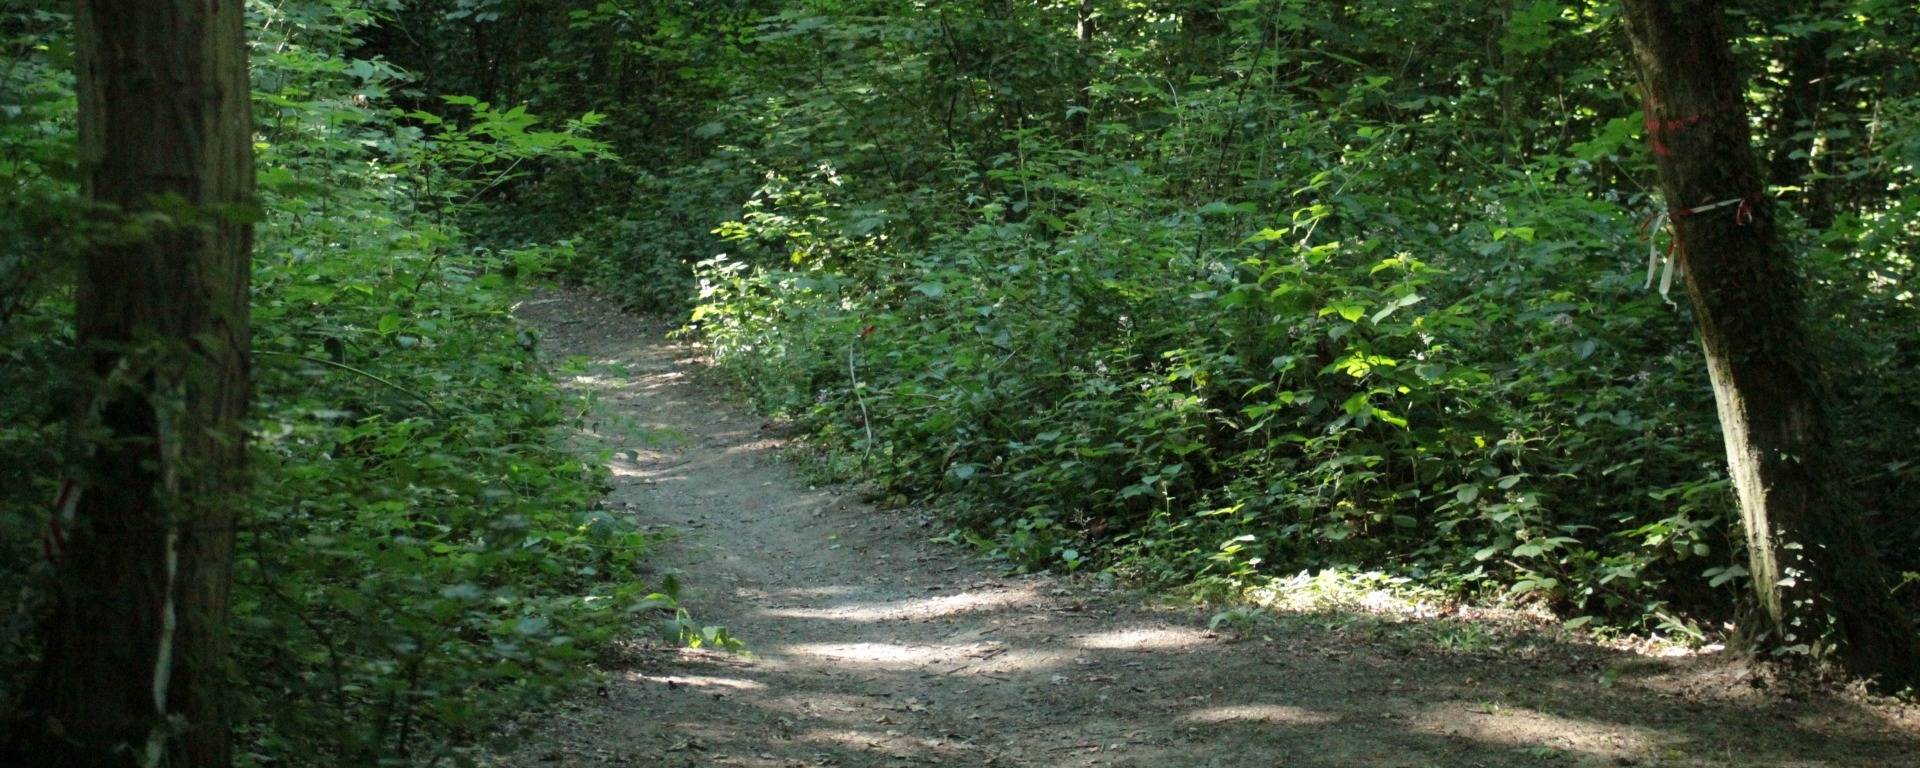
(1348, 309)
(1398, 304)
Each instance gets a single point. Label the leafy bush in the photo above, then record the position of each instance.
(423, 555)
(1269, 309)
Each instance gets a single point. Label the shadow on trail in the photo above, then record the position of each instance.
(995, 677)
(873, 647)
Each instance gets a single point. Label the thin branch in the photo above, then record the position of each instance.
(350, 369)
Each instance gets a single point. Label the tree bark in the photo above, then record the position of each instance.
(1820, 587)
(135, 643)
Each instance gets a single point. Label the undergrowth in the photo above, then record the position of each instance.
(1272, 309)
(423, 556)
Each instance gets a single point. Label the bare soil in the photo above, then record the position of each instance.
(870, 645)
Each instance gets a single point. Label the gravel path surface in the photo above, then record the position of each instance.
(871, 646)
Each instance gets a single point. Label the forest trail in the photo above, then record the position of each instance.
(872, 646)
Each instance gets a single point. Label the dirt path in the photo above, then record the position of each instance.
(871, 646)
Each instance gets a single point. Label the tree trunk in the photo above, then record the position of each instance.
(1819, 584)
(1081, 115)
(1794, 126)
(1203, 46)
(135, 643)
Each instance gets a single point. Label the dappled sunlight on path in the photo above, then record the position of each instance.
(872, 646)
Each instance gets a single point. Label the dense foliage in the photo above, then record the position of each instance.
(1208, 293)
(423, 555)
(1200, 294)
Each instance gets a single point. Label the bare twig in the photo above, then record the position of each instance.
(865, 421)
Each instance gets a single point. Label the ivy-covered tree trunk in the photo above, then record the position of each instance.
(135, 643)
(1818, 581)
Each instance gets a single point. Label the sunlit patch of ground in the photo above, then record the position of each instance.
(921, 608)
(1529, 729)
(1146, 639)
(1279, 714)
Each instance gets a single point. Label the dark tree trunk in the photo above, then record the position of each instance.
(1203, 41)
(135, 644)
(1815, 573)
(1080, 120)
(1796, 123)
